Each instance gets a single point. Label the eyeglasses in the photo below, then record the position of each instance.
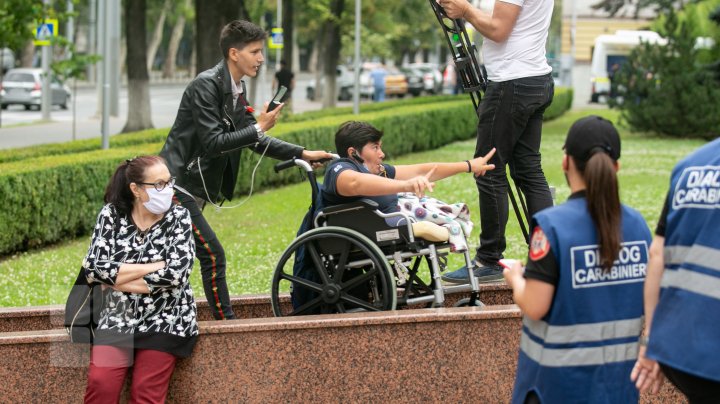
(160, 185)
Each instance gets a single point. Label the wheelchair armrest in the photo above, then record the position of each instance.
(362, 203)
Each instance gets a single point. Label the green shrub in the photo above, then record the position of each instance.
(667, 89)
(52, 198)
(562, 102)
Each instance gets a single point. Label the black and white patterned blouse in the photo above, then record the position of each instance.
(165, 319)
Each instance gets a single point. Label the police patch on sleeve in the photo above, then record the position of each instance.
(539, 245)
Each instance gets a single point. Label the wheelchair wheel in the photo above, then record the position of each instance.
(333, 270)
(466, 303)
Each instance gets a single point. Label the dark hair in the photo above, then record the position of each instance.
(132, 170)
(603, 202)
(239, 33)
(355, 134)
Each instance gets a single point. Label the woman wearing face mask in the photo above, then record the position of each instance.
(142, 251)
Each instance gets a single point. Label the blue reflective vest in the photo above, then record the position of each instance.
(685, 331)
(584, 348)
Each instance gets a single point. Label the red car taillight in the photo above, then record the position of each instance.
(37, 86)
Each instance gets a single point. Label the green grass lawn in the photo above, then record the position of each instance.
(255, 235)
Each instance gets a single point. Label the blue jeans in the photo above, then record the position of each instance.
(379, 95)
(511, 121)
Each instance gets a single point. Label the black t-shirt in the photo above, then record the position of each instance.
(284, 78)
(331, 196)
(660, 229)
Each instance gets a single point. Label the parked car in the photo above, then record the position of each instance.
(432, 78)
(415, 79)
(396, 83)
(7, 59)
(24, 86)
(344, 84)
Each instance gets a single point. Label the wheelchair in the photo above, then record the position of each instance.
(346, 258)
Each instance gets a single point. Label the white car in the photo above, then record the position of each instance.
(23, 86)
(432, 77)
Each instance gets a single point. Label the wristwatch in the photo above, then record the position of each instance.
(643, 340)
(259, 131)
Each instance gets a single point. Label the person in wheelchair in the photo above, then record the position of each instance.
(348, 255)
(361, 174)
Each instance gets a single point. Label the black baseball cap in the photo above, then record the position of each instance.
(590, 135)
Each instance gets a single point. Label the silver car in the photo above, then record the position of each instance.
(24, 87)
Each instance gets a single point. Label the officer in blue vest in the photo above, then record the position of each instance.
(682, 292)
(581, 292)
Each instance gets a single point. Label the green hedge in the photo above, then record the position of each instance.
(52, 198)
(562, 102)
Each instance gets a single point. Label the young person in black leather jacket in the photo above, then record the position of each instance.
(214, 123)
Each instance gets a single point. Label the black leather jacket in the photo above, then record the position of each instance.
(206, 140)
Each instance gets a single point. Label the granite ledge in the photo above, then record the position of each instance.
(305, 322)
(361, 319)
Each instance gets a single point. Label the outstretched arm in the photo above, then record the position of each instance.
(353, 183)
(478, 166)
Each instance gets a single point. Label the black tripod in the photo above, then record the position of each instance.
(474, 82)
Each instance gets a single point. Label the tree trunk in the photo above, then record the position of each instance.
(333, 43)
(157, 34)
(28, 51)
(288, 25)
(210, 17)
(174, 44)
(316, 63)
(139, 115)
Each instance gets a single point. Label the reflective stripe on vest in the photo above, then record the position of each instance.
(692, 281)
(689, 280)
(580, 356)
(696, 255)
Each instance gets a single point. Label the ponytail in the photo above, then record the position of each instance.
(603, 201)
(118, 190)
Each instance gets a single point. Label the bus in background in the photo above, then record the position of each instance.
(609, 54)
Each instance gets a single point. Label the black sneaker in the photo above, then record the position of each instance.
(488, 273)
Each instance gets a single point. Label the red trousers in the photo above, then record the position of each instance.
(151, 372)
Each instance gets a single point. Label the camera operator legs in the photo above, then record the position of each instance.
(510, 119)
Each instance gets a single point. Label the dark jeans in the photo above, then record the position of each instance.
(511, 121)
(697, 389)
(211, 255)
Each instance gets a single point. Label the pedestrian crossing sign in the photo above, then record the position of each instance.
(44, 31)
(276, 38)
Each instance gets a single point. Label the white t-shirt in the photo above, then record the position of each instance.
(523, 54)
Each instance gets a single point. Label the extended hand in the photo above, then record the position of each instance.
(419, 184)
(454, 8)
(479, 165)
(267, 120)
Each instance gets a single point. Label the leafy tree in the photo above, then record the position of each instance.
(210, 17)
(666, 89)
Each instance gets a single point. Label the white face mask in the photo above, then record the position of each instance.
(160, 201)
